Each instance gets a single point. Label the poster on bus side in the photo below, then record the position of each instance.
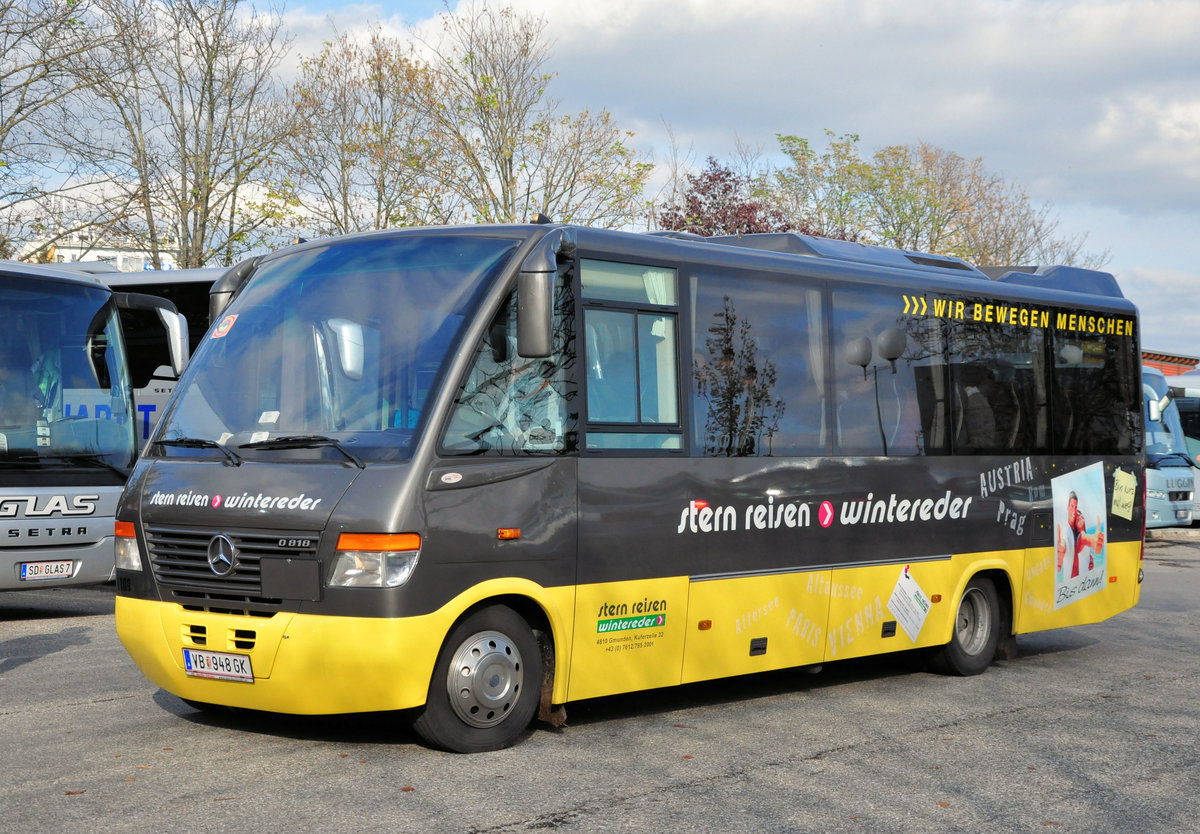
(1080, 524)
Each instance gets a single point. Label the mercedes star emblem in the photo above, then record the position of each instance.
(222, 555)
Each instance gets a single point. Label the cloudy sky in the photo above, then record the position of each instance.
(1092, 106)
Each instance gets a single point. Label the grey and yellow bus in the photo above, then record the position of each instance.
(482, 472)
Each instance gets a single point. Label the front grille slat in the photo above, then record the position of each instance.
(179, 559)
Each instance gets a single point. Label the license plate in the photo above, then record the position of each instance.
(218, 665)
(47, 570)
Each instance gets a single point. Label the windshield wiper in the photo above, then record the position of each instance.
(199, 443)
(89, 460)
(305, 441)
(1164, 456)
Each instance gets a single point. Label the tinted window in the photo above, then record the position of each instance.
(758, 367)
(889, 376)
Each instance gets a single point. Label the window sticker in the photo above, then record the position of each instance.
(224, 327)
(1124, 491)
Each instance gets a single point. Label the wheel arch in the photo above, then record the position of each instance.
(551, 625)
(1006, 593)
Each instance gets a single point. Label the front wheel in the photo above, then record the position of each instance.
(976, 631)
(485, 685)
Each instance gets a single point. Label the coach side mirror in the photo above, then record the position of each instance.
(172, 320)
(535, 293)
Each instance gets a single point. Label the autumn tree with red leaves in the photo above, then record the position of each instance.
(718, 201)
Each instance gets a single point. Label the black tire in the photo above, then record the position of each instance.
(972, 647)
(485, 686)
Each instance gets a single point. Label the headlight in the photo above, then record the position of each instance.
(128, 555)
(1157, 494)
(375, 561)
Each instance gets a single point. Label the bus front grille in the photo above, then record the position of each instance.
(179, 559)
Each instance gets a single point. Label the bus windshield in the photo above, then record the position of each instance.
(332, 349)
(1166, 444)
(64, 400)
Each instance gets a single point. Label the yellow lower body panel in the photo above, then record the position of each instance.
(306, 664)
(1052, 598)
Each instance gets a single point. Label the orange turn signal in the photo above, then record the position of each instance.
(124, 530)
(507, 534)
(379, 541)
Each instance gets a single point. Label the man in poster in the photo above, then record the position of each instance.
(1077, 538)
(1080, 563)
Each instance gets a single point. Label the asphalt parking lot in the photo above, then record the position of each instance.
(1090, 729)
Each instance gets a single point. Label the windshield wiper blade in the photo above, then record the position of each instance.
(305, 441)
(89, 460)
(200, 443)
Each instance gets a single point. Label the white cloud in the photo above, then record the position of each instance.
(1092, 105)
(1169, 303)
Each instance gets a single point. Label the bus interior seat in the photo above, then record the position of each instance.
(975, 420)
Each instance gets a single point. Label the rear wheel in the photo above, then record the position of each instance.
(485, 686)
(976, 631)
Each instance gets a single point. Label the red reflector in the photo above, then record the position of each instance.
(1112, 579)
(506, 534)
(124, 530)
(379, 541)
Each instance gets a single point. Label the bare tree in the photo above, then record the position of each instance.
(39, 40)
(508, 152)
(187, 120)
(670, 192)
(360, 155)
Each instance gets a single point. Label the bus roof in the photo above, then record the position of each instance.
(49, 272)
(823, 257)
(158, 277)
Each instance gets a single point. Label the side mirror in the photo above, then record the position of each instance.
(225, 288)
(350, 344)
(172, 320)
(535, 293)
(177, 339)
(535, 308)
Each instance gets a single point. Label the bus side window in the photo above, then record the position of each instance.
(1094, 378)
(632, 356)
(758, 366)
(998, 391)
(888, 376)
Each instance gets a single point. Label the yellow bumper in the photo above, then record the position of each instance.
(306, 664)
(303, 664)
